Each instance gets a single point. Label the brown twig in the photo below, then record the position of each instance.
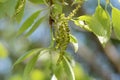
(85, 53)
(50, 18)
(113, 55)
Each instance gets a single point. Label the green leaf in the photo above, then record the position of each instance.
(58, 70)
(64, 70)
(68, 69)
(37, 1)
(103, 17)
(28, 22)
(93, 24)
(82, 24)
(19, 10)
(26, 55)
(74, 41)
(32, 63)
(30, 66)
(35, 26)
(99, 24)
(116, 21)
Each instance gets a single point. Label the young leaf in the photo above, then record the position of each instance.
(103, 17)
(74, 41)
(116, 21)
(28, 22)
(82, 24)
(37, 1)
(99, 24)
(68, 69)
(93, 24)
(30, 66)
(19, 10)
(35, 26)
(26, 55)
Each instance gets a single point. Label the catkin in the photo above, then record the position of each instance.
(19, 6)
(61, 35)
(62, 31)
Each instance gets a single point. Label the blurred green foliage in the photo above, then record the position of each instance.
(7, 8)
(45, 66)
(3, 51)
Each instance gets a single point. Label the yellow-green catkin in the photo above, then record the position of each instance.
(62, 31)
(74, 11)
(20, 5)
(61, 35)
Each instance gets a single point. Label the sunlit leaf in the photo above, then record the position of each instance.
(28, 22)
(103, 17)
(93, 24)
(74, 41)
(82, 24)
(30, 66)
(35, 26)
(37, 1)
(19, 10)
(116, 21)
(99, 24)
(26, 55)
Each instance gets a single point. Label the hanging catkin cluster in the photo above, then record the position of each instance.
(62, 32)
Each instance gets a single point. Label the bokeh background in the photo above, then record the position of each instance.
(92, 61)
